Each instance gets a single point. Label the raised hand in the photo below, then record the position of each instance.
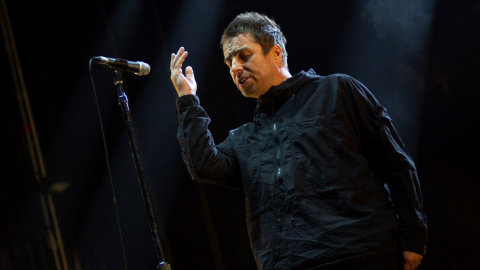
(184, 84)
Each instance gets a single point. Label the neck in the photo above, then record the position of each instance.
(282, 75)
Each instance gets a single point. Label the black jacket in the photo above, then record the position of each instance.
(326, 177)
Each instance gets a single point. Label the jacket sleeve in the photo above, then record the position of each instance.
(205, 161)
(391, 162)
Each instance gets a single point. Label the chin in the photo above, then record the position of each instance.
(249, 94)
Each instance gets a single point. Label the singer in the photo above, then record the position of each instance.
(328, 182)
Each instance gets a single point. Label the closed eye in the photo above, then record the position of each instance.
(244, 57)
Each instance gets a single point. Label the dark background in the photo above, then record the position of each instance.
(420, 58)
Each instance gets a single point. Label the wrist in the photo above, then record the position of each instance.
(184, 93)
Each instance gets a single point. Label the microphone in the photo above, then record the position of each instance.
(137, 67)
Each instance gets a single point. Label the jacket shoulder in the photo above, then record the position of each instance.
(340, 78)
(333, 84)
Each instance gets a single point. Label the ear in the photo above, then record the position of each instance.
(277, 53)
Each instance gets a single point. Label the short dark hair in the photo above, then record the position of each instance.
(264, 31)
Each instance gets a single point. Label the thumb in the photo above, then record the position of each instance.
(189, 73)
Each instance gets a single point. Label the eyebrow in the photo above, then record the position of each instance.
(234, 52)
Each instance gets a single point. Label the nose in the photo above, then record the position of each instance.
(236, 67)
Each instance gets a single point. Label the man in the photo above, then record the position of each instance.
(328, 182)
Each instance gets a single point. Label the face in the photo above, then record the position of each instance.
(252, 72)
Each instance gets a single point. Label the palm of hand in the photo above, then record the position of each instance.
(184, 84)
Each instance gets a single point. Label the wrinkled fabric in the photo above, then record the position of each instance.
(327, 179)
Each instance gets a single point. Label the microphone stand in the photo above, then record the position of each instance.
(123, 102)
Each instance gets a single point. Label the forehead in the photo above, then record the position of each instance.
(234, 44)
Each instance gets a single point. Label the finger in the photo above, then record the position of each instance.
(174, 58)
(189, 73)
(180, 52)
(171, 61)
(407, 265)
(178, 61)
(181, 59)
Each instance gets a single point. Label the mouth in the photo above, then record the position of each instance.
(243, 80)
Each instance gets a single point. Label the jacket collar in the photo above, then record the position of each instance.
(277, 95)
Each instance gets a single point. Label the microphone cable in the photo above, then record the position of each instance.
(107, 162)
